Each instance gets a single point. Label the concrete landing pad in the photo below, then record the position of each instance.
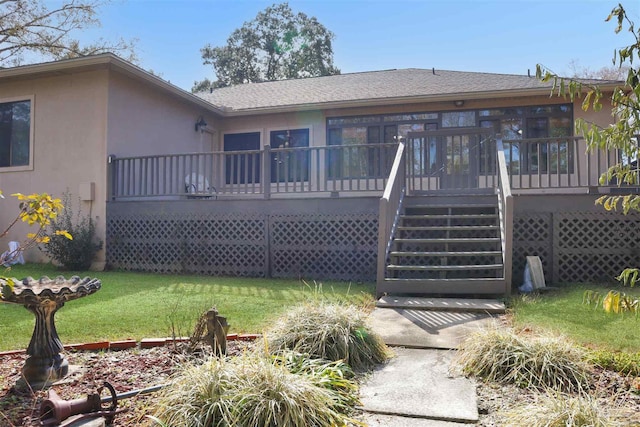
(417, 383)
(426, 329)
(443, 304)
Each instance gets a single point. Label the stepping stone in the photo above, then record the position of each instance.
(418, 383)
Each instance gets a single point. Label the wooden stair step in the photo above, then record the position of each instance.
(448, 228)
(444, 253)
(452, 216)
(455, 206)
(451, 240)
(444, 267)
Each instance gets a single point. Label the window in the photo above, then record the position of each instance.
(15, 133)
(289, 166)
(514, 123)
(242, 168)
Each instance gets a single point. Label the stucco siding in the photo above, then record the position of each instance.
(69, 125)
(145, 121)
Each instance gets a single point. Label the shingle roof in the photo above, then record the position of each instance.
(368, 87)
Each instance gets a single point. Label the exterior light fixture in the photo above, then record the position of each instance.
(200, 123)
(459, 103)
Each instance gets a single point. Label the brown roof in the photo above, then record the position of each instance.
(375, 87)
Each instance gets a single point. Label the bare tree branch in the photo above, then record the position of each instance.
(32, 26)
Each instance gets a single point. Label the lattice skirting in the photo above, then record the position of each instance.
(577, 246)
(313, 246)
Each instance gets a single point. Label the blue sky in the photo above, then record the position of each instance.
(496, 36)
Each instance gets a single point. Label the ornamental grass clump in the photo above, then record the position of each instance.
(331, 332)
(254, 390)
(562, 410)
(539, 362)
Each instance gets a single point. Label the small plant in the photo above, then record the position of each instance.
(248, 391)
(331, 332)
(624, 363)
(560, 410)
(613, 302)
(542, 362)
(76, 254)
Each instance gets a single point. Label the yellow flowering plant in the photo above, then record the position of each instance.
(36, 210)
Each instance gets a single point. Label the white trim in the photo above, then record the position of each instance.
(31, 98)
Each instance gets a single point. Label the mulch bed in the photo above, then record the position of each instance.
(125, 370)
(135, 369)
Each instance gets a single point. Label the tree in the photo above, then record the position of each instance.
(277, 44)
(621, 135)
(39, 29)
(613, 72)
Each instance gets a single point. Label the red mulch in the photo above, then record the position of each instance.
(126, 370)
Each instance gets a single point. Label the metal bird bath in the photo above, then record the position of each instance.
(43, 298)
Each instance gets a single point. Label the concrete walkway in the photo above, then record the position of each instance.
(418, 388)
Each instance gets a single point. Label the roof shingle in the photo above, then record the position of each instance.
(366, 86)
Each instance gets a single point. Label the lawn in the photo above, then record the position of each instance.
(562, 312)
(143, 305)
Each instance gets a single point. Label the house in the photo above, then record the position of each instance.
(427, 181)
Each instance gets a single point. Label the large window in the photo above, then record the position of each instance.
(514, 123)
(15, 133)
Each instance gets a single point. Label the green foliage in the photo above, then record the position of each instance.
(329, 331)
(251, 391)
(539, 362)
(76, 254)
(336, 376)
(277, 44)
(624, 363)
(613, 302)
(562, 410)
(622, 135)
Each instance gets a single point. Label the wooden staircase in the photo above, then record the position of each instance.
(446, 245)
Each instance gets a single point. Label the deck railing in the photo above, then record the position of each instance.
(352, 168)
(505, 213)
(446, 160)
(390, 206)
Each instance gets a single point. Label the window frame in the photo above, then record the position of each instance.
(29, 165)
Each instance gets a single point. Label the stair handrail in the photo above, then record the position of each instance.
(505, 209)
(390, 206)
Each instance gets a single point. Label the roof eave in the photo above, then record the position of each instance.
(110, 61)
(373, 102)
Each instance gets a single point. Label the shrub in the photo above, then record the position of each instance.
(560, 410)
(331, 332)
(624, 363)
(247, 391)
(540, 362)
(73, 254)
(336, 376)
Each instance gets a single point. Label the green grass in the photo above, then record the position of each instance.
(143, 305)
(562, 312)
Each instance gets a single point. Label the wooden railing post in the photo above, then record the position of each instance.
(266, 171)
(111, 177)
